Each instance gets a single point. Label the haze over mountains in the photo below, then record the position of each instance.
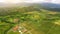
(14, 4)
(45, 4)
(51, 5)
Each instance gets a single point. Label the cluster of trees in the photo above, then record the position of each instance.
(10, 17)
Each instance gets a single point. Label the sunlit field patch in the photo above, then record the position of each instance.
(57, 22)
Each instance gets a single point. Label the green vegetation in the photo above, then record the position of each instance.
(35, 20)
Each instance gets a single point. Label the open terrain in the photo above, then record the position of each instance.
(32, 20)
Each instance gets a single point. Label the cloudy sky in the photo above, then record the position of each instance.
(29, 1)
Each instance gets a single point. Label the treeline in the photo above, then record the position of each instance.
(7, 11)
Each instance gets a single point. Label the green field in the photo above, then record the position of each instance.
(37, 21)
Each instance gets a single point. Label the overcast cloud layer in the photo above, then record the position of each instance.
(30, 1)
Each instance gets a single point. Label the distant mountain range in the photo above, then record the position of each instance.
(45, 5)
(14, 5)
(51, 5)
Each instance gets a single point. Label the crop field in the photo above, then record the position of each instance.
(29, 20)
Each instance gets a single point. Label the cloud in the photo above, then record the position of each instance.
(29, 1)
(17, 1)
(1, 0)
